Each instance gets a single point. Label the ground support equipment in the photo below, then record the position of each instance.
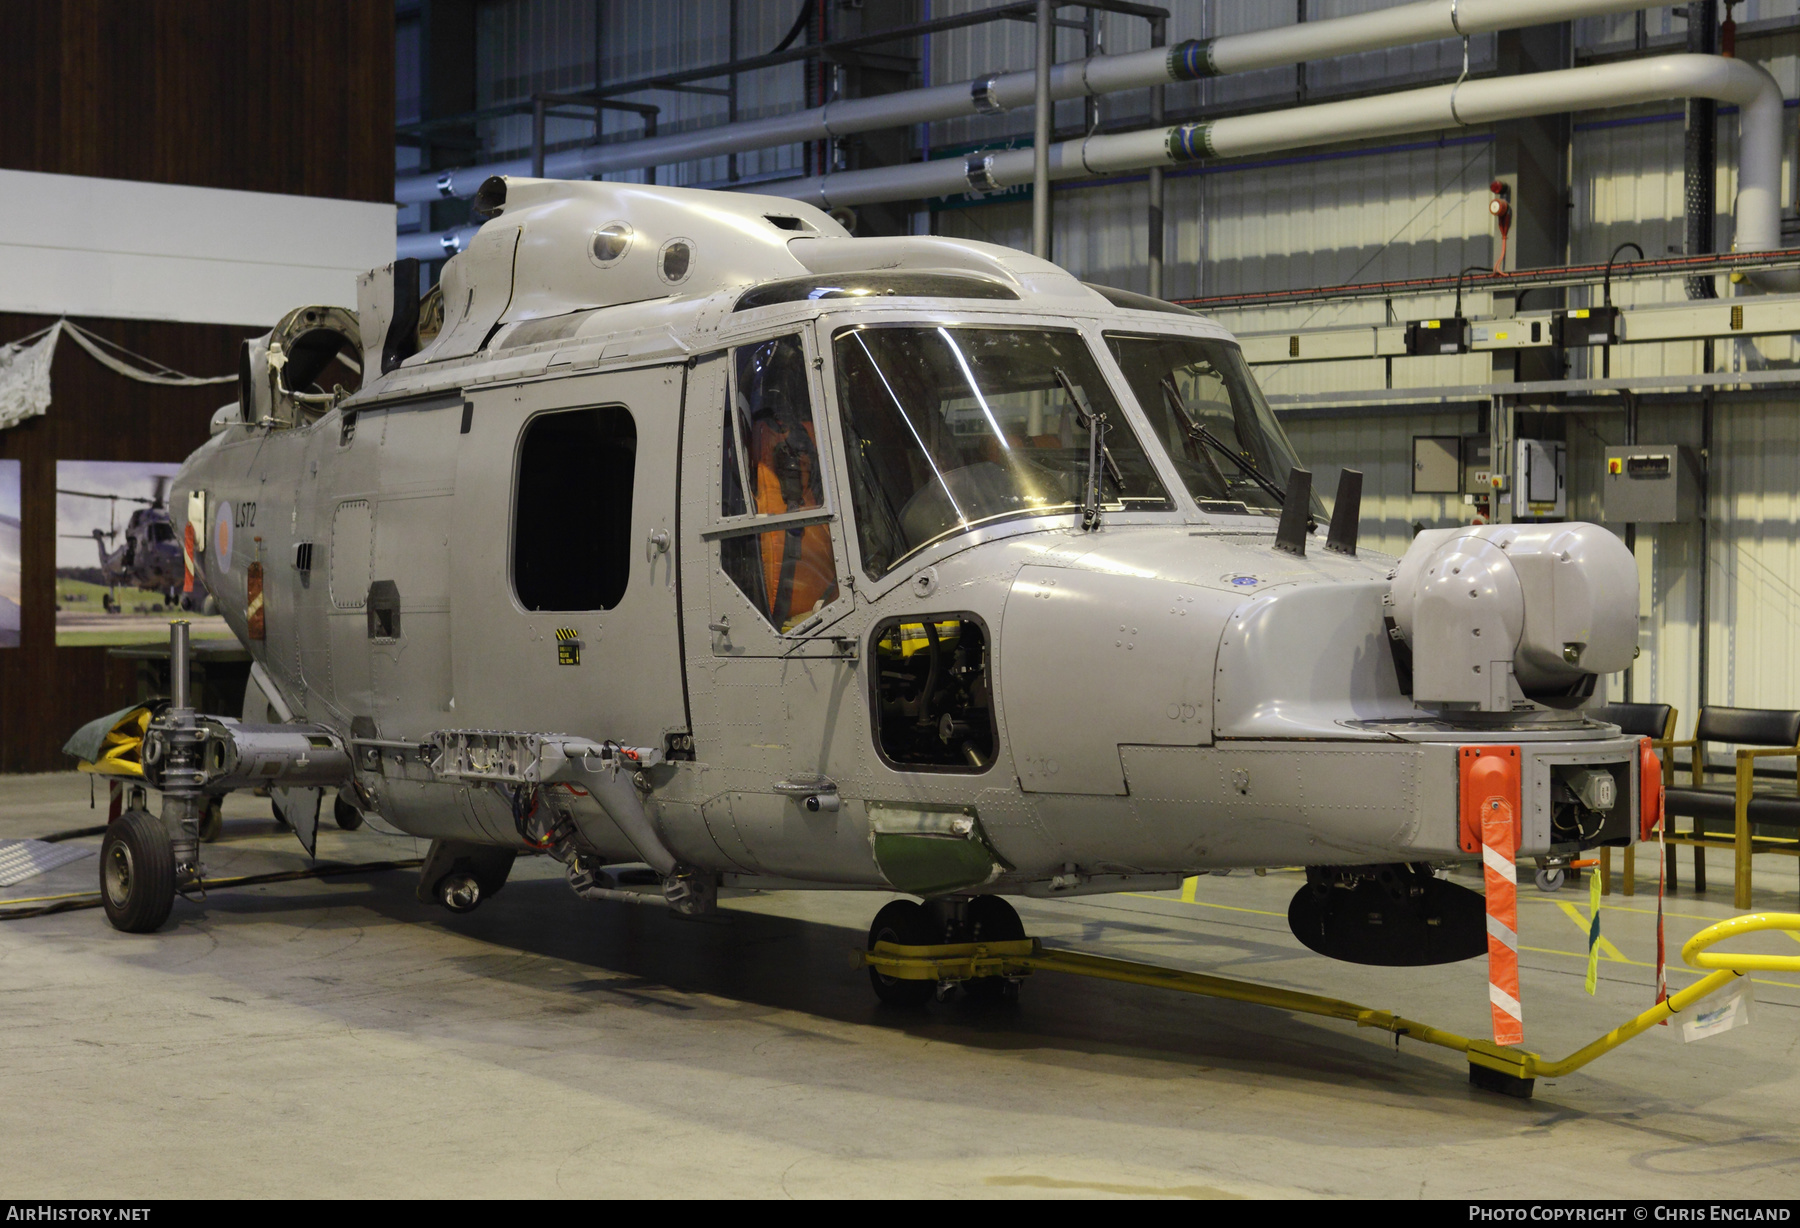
(1504, 1069)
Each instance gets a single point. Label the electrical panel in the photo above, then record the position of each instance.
(1433, 337)
(1478, 465)
(1437, 464)
(1650, 484)
(1539, 491)
(1585, 326)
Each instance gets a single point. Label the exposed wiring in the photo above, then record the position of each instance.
(797, 29)
(1405, 226)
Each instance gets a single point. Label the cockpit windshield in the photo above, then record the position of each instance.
(947, 428)
(1208, 412)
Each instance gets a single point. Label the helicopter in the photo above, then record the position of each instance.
(9, 563)
(150, 556)
(681, 534)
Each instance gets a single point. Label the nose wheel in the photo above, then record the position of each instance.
(986, 918)
(137, 873)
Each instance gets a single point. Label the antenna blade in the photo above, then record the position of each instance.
(1290, 535)
(1346, 513)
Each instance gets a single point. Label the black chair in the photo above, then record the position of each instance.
(1737, 813)
(1653, 721)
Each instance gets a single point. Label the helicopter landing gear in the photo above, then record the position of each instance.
(108, 604)
(137, 873)
(985, 918)
(988, 918)
(907, 924)
(348, 817)
(212, 822)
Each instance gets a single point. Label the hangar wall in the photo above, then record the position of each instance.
(262, 96)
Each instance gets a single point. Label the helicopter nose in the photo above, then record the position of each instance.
(1090, 661)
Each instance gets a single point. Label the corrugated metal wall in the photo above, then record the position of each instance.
(1411, 208)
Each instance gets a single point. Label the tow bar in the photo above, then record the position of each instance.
(1496, 1068)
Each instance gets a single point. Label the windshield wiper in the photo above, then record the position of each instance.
(1196, 430)
(1098, 454)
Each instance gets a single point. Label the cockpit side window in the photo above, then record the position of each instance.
(1205, 408)
(771, 467)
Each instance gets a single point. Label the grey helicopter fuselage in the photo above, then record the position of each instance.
(700, 512)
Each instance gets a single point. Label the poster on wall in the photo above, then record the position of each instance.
(9, 554)
(120, 577)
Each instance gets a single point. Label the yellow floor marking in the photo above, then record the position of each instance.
(1261, 912)
(1644, 912)
(1188, 887)
(1607, 949)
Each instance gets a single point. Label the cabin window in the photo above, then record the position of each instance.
(770, 467)
(572, 511)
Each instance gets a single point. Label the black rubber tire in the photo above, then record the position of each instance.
(989, 918)
(348, 817)
(908, 924)
(137, 873)
(212, 823)
(280, 818)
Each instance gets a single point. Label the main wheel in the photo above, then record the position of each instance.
(348, 817)
(907, 924)
(137, 873)
(275, 809)
(989, 918)
(212, 823)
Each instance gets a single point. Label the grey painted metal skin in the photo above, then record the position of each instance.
(1172, 694)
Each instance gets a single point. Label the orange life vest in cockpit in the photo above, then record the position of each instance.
(799, 568)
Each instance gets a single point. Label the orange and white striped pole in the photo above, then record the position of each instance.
(1498, 848)
(1489, 777)
(187, 560)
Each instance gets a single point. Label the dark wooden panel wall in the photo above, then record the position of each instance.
(288, 96)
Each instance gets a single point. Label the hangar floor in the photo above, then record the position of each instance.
(339, 1038)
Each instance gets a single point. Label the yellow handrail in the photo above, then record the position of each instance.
(1694, 951)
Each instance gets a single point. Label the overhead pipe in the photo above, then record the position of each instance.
(1485, 101)
(1044, 111)
(1282, 46)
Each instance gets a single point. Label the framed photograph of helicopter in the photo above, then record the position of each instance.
(120, 570)
(9, 554)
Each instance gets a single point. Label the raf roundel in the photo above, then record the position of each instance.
(221, 535)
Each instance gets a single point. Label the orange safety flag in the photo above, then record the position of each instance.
(253, 599)
(187, 559)
(1498, 848)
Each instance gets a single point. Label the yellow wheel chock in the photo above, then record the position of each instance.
(1497, 1068)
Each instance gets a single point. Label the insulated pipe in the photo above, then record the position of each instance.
(1043, 113)
(1399, 26)
(1484, 101)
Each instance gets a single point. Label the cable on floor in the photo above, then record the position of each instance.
(44, 906)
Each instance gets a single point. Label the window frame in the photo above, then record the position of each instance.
(512, 511)
(719, 528)
(1013, 524)
(873, 637)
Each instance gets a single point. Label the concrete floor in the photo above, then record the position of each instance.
(339, 1038)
